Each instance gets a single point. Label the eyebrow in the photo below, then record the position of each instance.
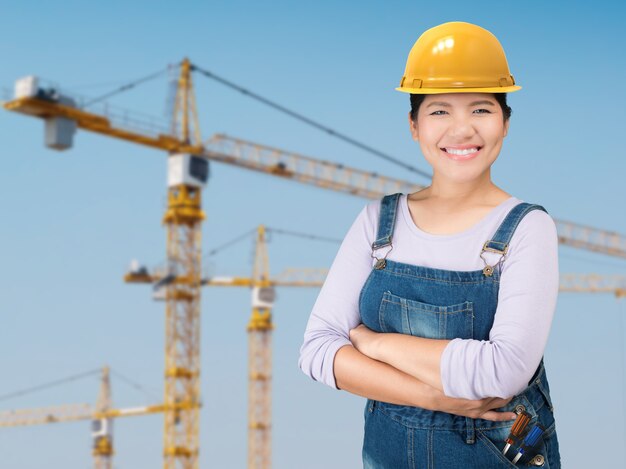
(475, 103)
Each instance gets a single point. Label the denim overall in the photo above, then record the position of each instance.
(445, 304)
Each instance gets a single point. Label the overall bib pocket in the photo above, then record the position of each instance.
(421, 319)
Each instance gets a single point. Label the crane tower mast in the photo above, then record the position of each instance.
(183, 221)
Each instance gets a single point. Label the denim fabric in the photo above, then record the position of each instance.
(443, 304)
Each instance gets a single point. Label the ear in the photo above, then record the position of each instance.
(506, 127)
(413, 128)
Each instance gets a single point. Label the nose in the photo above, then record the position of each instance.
(461, 128)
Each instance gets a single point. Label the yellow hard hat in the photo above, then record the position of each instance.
(457, 57)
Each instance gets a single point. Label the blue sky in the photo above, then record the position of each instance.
(73, 220)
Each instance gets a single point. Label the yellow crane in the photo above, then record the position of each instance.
(259, 336)
(188, 170)
(101, 415)
(593, 283)
(259, 330)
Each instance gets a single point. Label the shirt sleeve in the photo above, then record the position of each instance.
(336, 309)
(529, 283)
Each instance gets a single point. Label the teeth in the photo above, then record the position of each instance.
(461, 152)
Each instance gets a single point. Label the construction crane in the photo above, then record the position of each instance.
(259, 335)
(259, 330)
(188, 172)
(101, 416)
(102, 426)
(593, 283)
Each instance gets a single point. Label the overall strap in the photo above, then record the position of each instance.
(386, 220)
(500, 241)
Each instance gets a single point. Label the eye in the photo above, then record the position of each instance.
(487, 111)
(435, 113)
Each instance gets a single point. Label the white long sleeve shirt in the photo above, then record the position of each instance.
(470, 369)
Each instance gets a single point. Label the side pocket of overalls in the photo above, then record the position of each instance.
(536, 401)
(493, 434)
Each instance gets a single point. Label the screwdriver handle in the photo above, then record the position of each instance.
(518, 428)
(531, 442)
(533, 437)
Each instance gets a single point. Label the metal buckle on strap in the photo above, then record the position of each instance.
(488, 269)
(499, 251)
(381, 263)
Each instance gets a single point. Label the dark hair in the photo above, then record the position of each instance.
(418, 99)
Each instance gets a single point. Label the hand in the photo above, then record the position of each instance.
(364, 340)
(476, 409)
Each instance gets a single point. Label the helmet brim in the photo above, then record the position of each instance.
(495, 89)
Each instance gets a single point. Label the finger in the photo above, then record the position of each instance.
(498, 416)
(498, 402)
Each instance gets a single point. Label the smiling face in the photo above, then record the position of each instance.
(460, 135)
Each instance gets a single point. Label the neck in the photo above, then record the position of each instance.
(453, 193)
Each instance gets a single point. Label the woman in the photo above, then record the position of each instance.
(438, 305)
